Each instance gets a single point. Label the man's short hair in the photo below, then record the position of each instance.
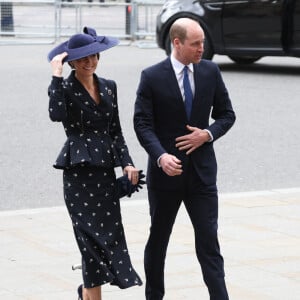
(177, 31)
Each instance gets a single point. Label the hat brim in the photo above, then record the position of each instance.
(77, 53)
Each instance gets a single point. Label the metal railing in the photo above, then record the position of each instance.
(46, 21)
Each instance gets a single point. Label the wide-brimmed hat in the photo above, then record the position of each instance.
(83, 44)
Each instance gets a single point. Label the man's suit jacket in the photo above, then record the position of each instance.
(160, 118)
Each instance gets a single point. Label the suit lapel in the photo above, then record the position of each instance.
(172, 84)
(171, 79)
(199, 79)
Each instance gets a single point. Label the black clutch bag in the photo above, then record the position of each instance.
(126, 188)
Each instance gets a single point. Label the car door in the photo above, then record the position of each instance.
(252, 25)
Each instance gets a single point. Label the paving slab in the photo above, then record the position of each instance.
(259, 236)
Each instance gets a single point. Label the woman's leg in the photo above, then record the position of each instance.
(92, 293)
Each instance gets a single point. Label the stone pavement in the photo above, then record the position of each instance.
(259, 235)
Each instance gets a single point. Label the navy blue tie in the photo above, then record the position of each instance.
(188, 94)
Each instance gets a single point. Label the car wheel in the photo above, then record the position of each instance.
(168, 45)
(244, 60)
(208, 50)
(207, 54)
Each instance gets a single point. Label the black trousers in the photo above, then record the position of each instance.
(201, 203)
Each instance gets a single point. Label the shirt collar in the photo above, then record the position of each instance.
(178, 66)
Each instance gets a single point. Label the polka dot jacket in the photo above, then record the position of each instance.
(94, 135)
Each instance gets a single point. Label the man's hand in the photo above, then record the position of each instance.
(170, 164)
(193, 140)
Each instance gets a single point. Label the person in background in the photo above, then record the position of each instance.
(175, 100)
(87, 106)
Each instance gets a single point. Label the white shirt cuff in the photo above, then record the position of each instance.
(211, 136)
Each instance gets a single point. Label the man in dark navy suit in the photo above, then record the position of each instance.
(182, 164)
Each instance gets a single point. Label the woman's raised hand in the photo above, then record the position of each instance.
(57, 64)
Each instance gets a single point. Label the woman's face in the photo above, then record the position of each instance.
(86, 65)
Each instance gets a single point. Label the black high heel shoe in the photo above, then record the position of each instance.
(79, 291)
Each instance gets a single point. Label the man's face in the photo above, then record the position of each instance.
(191, 50)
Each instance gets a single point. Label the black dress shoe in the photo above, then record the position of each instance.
(79, 290)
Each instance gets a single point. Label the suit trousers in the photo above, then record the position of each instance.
(201, 203)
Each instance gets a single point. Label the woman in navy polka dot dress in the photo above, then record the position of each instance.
(87, 107)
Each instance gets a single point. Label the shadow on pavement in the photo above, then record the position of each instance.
(261, 68)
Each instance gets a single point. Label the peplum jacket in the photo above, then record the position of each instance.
(94, 135)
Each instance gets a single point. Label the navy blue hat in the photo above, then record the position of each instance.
(83, 44)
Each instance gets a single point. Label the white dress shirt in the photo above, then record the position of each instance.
(178, 69)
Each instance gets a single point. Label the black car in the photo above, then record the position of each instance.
(245, 30)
